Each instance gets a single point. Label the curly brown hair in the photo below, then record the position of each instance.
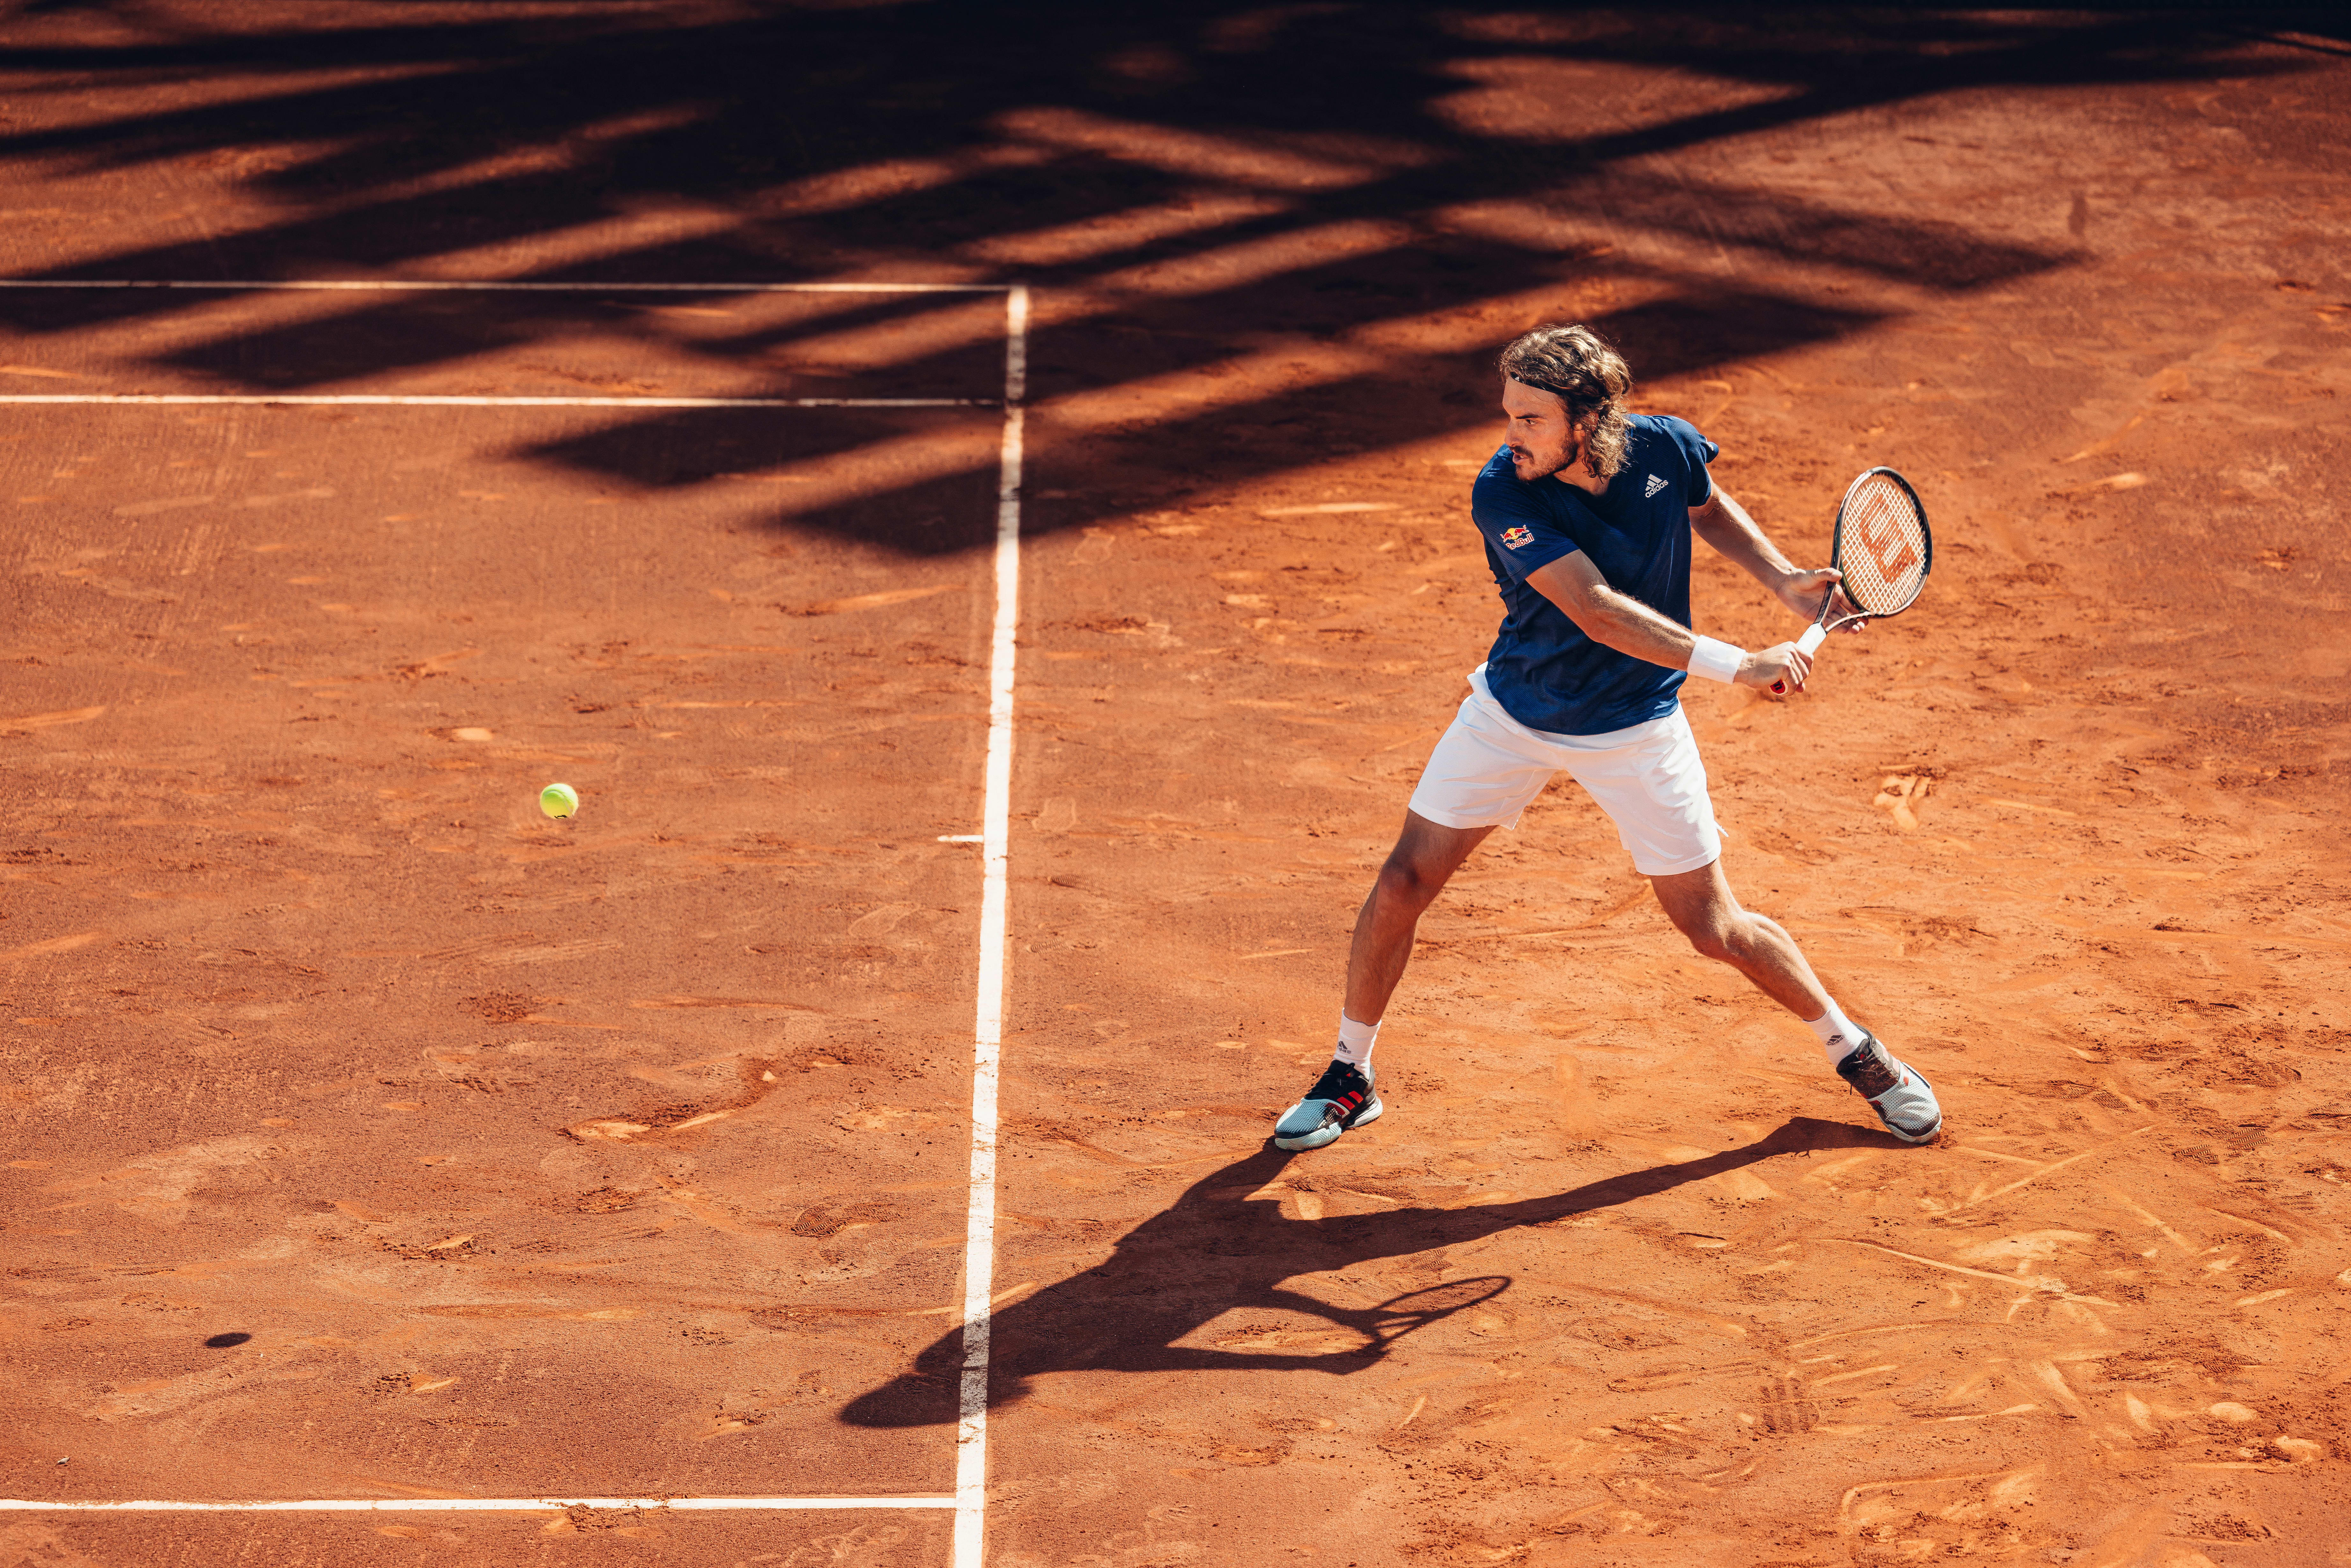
(1583, 370)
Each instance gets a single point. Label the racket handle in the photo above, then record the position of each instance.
(1808, 644)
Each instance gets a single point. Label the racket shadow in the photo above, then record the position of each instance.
(1415, 1310)
(1221, 1248)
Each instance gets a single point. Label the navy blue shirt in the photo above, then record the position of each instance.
(1543, 670)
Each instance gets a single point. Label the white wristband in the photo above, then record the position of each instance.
(1716, 661)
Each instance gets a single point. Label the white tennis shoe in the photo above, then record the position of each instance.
(1898, 1091)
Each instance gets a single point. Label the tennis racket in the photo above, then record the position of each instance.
(1884, 551)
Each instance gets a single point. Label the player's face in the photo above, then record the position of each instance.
(1541, 439)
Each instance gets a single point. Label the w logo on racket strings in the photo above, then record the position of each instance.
(1656, 484)
(1890, 546)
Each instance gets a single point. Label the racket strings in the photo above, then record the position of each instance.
(1882, 547)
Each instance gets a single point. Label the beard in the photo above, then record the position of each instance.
(1544, 467)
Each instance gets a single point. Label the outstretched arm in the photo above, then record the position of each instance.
(1723, 523)
(1623, 622)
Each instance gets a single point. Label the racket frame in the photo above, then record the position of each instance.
(1836, 550)
(1817, 633)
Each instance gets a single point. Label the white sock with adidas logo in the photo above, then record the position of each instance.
(1355, 1041)
(1840, 1036)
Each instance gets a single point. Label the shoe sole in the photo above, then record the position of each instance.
(1931, 1133)
(1928, 1136)
(1330, 1135)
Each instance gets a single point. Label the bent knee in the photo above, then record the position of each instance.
(1404, 882)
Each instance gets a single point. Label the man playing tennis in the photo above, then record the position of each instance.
(1587, 513)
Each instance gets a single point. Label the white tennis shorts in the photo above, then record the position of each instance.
(1648, 779)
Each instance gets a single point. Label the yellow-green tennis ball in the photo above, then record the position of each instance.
(558, 799)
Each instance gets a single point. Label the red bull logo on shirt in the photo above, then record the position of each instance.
(1517, 539)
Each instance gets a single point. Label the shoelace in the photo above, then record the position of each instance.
(1872, 1074)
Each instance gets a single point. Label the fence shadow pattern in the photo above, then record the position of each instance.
(1270, 202)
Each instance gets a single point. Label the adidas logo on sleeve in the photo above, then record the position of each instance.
(1656, 484)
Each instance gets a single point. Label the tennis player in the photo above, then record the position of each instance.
(1587, 512)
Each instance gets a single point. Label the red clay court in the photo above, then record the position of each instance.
(975, 498)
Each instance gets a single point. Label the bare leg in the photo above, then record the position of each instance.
(1425, 858)
(1700, 902)
(1701, 905)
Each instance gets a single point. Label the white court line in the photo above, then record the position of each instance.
(486, 1504)
(393, 286)
(397, 400)
(988, 1032)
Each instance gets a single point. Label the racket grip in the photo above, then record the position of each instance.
(1808, 644)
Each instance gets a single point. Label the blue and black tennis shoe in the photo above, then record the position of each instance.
(1342, 1098)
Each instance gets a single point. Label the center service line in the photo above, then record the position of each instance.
(988, 1032)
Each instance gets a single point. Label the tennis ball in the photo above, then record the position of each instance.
(558, 799)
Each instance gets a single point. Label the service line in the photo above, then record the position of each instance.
(399, 286)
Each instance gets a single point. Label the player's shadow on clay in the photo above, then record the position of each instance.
(1220, 1249)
